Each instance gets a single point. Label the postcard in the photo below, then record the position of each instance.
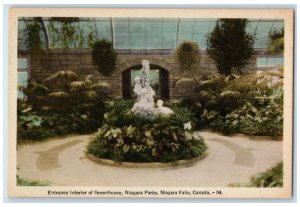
(150, 103)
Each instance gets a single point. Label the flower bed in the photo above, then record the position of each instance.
(128, 137)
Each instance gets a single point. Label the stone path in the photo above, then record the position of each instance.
(230, 160)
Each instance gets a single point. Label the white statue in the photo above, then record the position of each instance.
(150, 93)
(145, 96)
(163, 110)
(137, 87)
(145, 70)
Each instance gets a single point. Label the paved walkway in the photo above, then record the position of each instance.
(230, 160)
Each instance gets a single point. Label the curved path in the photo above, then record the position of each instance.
(230, 160)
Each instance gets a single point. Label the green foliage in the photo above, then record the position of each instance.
(34, 41)
(61, 80)
(276, 45)
(63, 92)
(104, 56)
(212, 95)
(119, 114)
(35, 93)
(64, 105)
(272, 178)
(229, 45)
(63, 30)
(26, 182)
(129, 137)
(256, 85)
(187, 55)
(252, 120)
(251, 105)
(39, 125)
(150, 143)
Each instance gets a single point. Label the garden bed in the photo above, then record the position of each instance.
(129, 137)
(175, 164)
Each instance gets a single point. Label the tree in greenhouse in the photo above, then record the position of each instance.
(104, 56)
(187, 55)
(34, 41)
(229, 45)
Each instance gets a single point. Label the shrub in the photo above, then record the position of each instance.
(66, 105)
(229, 45)
(187, 55)
(251, 104)
(37, 126)
(150, 143)
(63, 92)
(248, 120)
(271, 178)
(129, 137)
(60, 81)
(104, 56)
(35, 94)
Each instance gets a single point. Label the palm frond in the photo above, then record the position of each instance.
(62, 75)
(91, 95)
(260, 81)
(60, 80)
(230, 78)
(101, 87)
(210, 98)
(35, 88)
(78, 85)
(59, 94)
(208, 84)
(192, 82)
(217, 77)
(230, 98)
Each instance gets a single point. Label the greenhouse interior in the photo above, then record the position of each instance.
(150, 91)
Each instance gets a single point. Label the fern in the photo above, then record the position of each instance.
(60, 80)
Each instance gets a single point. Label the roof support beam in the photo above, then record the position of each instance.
(112, 32)
(177, 34)
(46, 32)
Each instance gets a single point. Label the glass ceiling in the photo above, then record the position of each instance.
(140, 33)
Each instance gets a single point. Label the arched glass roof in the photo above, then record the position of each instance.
(139, 33)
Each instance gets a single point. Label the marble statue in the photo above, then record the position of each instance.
(144, 104)
(145, 70)
(137, 87)
(163, 110)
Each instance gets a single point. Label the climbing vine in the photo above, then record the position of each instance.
(63, 31)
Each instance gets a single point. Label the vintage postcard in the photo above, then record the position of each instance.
(150, 103)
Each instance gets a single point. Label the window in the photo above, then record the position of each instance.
(22, 74)
(264, 62)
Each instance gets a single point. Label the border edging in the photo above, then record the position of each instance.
(175, 164)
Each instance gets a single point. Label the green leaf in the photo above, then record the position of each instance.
(126, 148)
(188, 135)
(148, 133)
(235, 122)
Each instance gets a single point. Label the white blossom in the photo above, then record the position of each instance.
(84, 116)
(187, 125)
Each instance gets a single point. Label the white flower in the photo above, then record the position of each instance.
(26, 110)
(83, 116)
(187, 125)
